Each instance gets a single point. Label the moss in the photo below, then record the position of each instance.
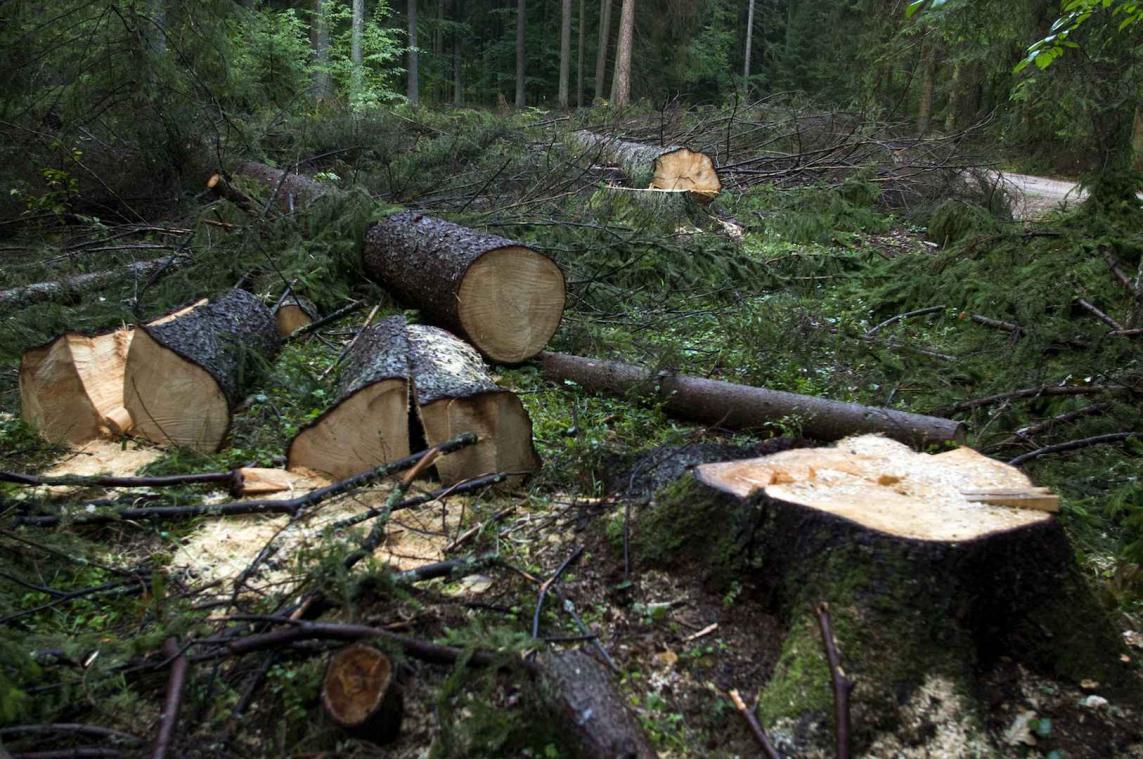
(800, 684)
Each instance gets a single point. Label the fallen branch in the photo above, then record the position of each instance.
(99, 481)
(325, 320)
(1073, 445)
(842, 686)
(68, 728)
(450, 568)
(45, 291)
(349, 346)
(1099, 314)
(1030, 392)
(755, 726)
(547, 585)
(901, 317)
(1118, 273)
(169, 718)
(1025, 433)
(1015, 329)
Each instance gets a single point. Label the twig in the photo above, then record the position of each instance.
(1087, 442)
(1025, 433)
(450, 569)
(169, 718)
(1030, 392)
(1102, 316)
(349, 346)
(755, 726)
(317, 324)
(70, 728)
(901, 317)
(1015, 329)
(546, 586)
(842, 686)
(569, 607)
(476, 529)
(1118, 273)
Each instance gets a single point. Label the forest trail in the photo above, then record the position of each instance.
(1038, 195)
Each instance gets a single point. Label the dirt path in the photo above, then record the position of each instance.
(1036, 196)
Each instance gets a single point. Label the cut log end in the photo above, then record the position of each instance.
(503, 431)
(172, 400)
(685, 169)
(360, 693)
(510, 303)
(885, 486)
(363, 431)
(292, 314)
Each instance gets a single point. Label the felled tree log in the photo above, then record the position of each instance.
(577, 690)
(293, 312)
(19, 297)
(674, 167)
(368, 424)
(71, 390)
(503, 297)
(927, 587)
(361, 694)
(454, 393)
(725, 404)
(187, 370)
(290, 191)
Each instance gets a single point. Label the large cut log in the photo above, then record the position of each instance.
(927, 585)
(187, 370)
(732, 406)
(503, 297)
(71, 390)
(674, 167)
(454, 394)
(287, 191)
(368, 424)
(361, 694)
(19, 297)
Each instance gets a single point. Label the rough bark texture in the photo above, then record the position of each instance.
(27, 295)
(908, 614)
(674, 167)
(621, 81)
(725, 404)
(291, 190)
(424, 262)
(454, 394)
(749, 40)
(413, 90)
(565, 51)
(319, 40)
(601, 51)
(578, 691)
(520, 58)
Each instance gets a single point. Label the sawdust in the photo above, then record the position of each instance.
(936, 721)
(107, 457)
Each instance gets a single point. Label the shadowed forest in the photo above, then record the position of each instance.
(560, 378)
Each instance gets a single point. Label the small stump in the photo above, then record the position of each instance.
(361, 694)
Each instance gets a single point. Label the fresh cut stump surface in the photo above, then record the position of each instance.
(674, 167)
(503, 297)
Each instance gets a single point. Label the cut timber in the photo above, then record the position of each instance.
(291, 191)
(368, 425)
(293, 312)
(248, 481)
(19, 297)
(577, 690)
(505, 298)
(454, 394)
(725, 404)
(187, 370)
(71, 390)
(922, 582)
(664, 168)
(360, 693)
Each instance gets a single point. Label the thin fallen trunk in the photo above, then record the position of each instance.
(725, 404)
(360, 693)
(505, 298)
(169, 717)
(287, 191)
(674, 167)
(27, 295)
(186, 371)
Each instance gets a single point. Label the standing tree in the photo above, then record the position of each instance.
(520, 21)
(621, 80)
(319, 38)
(414, 89)
(749, 39)
(579, 61)
(601, 54)
(928, 71)
(565, 50)
(457, 43)
(357, 29)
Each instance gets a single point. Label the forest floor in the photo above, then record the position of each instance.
(777, 286)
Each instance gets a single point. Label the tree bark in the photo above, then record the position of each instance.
(725, 404)
(503, 297)
(357, 31)
(565, 52)
(520, 62)
(290, 190)
(319, 39)
(601, 53)
(749, 39)
(361, 694)
(39, 292)
(413, 89)
(925, 106)
(579, 59)
(458, 58)
(674, 167)
(621, 81)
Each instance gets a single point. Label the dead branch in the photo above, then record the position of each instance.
(1072, 445)
(1116, 271)
(46, 291)
(755, 726)
(326, 320)
(1025, 433)
(349, 346)
(842, 686)
(451, 569)
(12, 732)
(901, 317)
(76, 480)
(1015, 329)
(1031, 392)
(169, 718)
(1099, 314)
(547, 585)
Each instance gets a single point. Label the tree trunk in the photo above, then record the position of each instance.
(665, 168)
(621, 80)
(926, 588)
(291, 190)
(71, 390)
(458, 58)
(187, 370)
(293, 312)
(455, 394)
(725, 404)
(319, 39)
(357, 31)
(1137, 139)
(579, 59)
(520, 27)
(360, 693)
(62, 289)
(749, 39)
(601, 53)
(413, 89)
(925, 106)
(565, 51)
(500, 295)
(952, 114)
(368, 424)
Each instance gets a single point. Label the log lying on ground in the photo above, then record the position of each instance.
(187, 370)
(927, 587)
(290, 190)
(503, 297)
(293, 312)
(674, 167)
(71, 390)
(368, 424)
(360, 693)
(725, 404)
(454, 394)
(19, 297)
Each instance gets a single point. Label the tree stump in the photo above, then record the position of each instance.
(360, 693)
(454, 394)
(504, 298)
(71, 390)
(927, 583)
(674, 167)
(368, 424)
(187, 370)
